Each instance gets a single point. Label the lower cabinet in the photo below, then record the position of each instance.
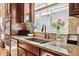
(13, 47)
(21, 52)
(45, 53)
(29, 54)
(25, 49)
(29, 49)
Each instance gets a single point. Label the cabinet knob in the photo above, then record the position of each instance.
(48, 55)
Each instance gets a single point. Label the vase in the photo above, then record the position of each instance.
(58, 37)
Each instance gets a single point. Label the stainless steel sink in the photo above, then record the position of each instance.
(38, 40)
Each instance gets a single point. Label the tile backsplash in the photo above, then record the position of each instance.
(73, 24)
(51, 36)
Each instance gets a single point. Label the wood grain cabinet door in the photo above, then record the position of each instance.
(19, 12)
(30, 49)
(28, 12)
(74, 8)
(45, 53)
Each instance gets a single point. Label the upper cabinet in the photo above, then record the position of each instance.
(28, 12)
(73, 8)
(19, 12)
(22, 12)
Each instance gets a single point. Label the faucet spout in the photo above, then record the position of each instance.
(44, 29)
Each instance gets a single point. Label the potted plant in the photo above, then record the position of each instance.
(58, 25)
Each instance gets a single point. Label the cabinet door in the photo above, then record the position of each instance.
(74, 8)
(28, 12)
(31, 50)
(45, 53)
(13, 47)
(19, 12)
(48, 53)
(21, 52)
(22, 12)
(29, 54)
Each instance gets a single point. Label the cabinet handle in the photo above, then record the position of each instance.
(48, 55)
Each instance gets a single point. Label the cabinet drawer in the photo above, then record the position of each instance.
(29, 54)
(45, 53)
(31, 48)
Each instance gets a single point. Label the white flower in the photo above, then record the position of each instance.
(58, 24)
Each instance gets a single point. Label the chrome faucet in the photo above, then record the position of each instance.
(44, 29)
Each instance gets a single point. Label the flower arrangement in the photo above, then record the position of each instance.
(58, 25)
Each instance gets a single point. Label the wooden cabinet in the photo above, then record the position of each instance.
(30, 54)
(45, 53)
(73, 8)
(28, 12)
(30, 50)
(13, 47)
(21, 48)
(21, 52)
(19, 12)
(48, 53)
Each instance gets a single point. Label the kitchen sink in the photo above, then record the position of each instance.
(38, 40)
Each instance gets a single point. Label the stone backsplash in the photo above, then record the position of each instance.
(73, 24)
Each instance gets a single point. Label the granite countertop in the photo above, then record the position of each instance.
(63, 49)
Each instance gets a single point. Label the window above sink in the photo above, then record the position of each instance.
(47, 15)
